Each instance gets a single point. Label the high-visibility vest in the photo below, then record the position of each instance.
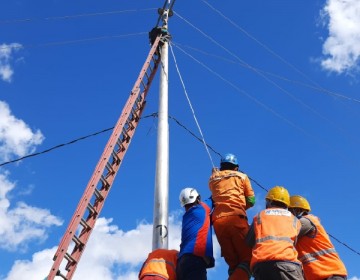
(276, 230)
(160, 262)
(317, 254)
(229, 190)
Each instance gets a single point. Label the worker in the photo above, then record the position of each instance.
(232, 195)
(272, 235)
(196, 248)
(159, 265)
(316, 252)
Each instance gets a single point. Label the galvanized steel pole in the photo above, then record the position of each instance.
(160, 225)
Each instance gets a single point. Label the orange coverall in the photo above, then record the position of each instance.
(160, 264)
(231, 191)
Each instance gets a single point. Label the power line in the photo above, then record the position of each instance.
(280, 77)
(26, 20)
(56, 147)
(299, 101)
(59, 43)
(154, 115)
(258, 102)
(66, 144)
(260, 43)
(313, 137)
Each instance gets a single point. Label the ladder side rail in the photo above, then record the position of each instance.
(109, 149)
(98, 205)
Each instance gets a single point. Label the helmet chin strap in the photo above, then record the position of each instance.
(299, 215)
(268, 204)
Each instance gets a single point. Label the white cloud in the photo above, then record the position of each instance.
(16, 138)
(354, 278)
(23, 223)
(6, 52)
(111, 253)
(342, 48)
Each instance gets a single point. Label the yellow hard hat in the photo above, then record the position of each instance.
(279, 194)
(297, 201)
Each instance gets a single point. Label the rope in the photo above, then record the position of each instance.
(191, 107)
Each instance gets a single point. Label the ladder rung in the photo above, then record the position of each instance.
(126, 135)
(116, 157)
(104, 182)
(84, 224)
(139, 102)
(147, 75)
(110, 168)
(91, 209)
(120, 144)
(58, 273)
(129, 124)
(69, 258)
(135, 115)
(77, 241)
(153, 60)
(98, 194)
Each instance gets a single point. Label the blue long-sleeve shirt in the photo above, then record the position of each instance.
(196, 234)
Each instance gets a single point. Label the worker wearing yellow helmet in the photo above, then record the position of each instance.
(272, 236)
(316, 252)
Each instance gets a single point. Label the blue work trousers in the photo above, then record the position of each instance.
(191, 267)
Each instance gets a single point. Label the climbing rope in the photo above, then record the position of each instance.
(191, 107)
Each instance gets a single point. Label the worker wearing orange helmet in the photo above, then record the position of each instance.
(316, 252)
(159, 265)
(272, 235)
(232, 195)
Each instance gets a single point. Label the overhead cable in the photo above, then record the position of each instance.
(24, 20)
(147, 116)
(311, 136)
(280, 77)
(261, 74)
(59, 43)
(261, 44)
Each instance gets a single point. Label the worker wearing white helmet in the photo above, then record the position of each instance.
(196, 248)
(316, 252)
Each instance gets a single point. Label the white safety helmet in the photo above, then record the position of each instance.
(188, 195)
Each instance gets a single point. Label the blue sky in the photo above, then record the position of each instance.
(274, 82)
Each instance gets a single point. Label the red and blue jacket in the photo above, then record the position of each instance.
(196, 234)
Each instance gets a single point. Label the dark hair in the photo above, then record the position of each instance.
(274, 203)
(197, 201)
(227, 166)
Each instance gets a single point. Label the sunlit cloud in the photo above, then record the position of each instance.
(6, 57)
(111, 253)
(16, 137)
(341, 49)
(21, 224)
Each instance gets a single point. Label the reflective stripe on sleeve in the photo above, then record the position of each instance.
(287, 239)
(310, 257)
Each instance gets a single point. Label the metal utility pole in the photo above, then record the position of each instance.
(161, 193)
